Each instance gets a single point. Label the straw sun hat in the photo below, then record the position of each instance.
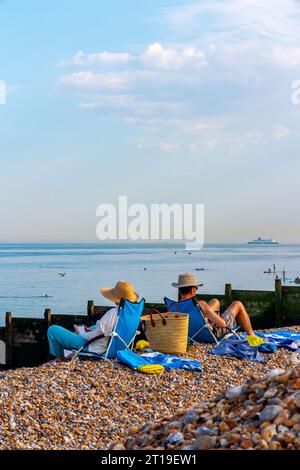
(186, 280)
(122, 290)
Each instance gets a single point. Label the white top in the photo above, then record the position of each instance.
(104, 326)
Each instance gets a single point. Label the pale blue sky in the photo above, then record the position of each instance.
(164, 101)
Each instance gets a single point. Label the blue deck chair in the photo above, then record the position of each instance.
(129, 315)
(199, 331)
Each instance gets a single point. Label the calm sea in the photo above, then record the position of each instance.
(29, 272)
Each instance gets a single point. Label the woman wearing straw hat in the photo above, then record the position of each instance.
(61, 338)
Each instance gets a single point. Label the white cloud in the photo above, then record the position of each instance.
(169, 147)
(99, 58)
(161, 146)
(286, 56)
(168, 58)
(99, 82)
(155, 56)
(268, 18)
(90, 81)
(281, 132)
(268, 31)
(219, 85)
(134, 110)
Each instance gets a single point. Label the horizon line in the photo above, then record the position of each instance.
(136, 242)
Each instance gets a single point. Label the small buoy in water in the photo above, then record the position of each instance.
(145, 269)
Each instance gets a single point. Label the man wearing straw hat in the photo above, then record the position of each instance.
(61, 338)
(234, 315)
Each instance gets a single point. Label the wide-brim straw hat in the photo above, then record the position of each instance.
(186, 280)
(122, 290)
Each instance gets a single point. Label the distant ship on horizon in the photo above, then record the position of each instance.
(263, 241)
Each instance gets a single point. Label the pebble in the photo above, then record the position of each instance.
(223, 442)
(191, 416)
(237, 424)
(268, 432)
(205, 443)
(99, 406)
(269, 413)
(205, 430)
(275, 372)
(176, 438)
(119, 447)
(174, 425)
(282, 428)
(234, 392)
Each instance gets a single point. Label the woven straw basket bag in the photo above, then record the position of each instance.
(168, 332)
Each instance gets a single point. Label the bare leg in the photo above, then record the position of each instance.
(210, 313)
(215, 305)
(241, 316)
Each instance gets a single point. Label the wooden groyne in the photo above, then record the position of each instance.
(23, 341)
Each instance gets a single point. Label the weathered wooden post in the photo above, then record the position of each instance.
(90, 308)
(48, 322)
(228, 294)
(278, 303)
(48, 319)
(9, 339)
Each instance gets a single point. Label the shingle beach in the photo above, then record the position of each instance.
(261, 415)
(96, 405)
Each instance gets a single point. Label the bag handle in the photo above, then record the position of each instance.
(163, 319)
(170, 306)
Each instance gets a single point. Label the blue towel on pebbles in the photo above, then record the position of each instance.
(282, 339)
(238, 350)
(172, 362)
(268, 348)
(134, 361)
(130, 359)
